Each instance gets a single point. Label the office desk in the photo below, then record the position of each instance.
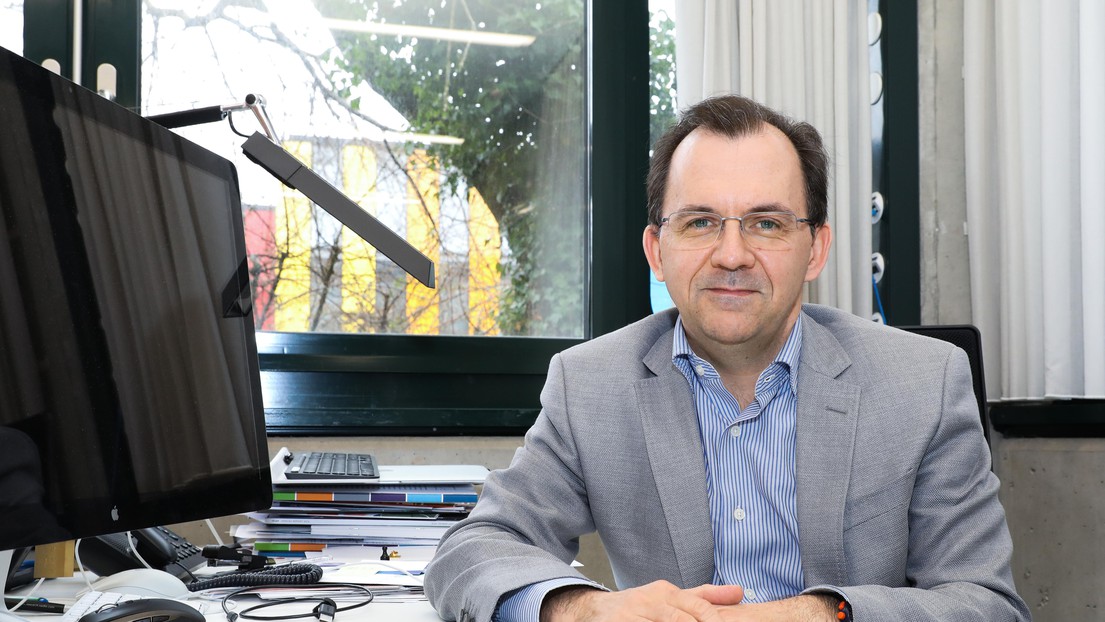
(419, 611)
(377, 612)
(65, 590)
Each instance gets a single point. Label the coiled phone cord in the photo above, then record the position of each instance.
(292, 574)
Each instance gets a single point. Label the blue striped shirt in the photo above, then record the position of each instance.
(750, 467)
(750, 480)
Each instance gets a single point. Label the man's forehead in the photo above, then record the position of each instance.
(766, 135)
(759, 171)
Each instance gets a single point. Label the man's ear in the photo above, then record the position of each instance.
(819, 252)
(651, 241)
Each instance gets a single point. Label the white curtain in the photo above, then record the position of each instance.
(1034, 77)
(809, 60)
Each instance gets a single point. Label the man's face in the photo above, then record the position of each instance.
(730, 293)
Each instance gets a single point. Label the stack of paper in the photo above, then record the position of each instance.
(406, 507)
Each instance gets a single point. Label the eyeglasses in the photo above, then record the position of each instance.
(767, 231)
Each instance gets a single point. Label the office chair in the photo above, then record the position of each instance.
(969, 339)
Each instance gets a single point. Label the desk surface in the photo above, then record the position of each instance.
(65, 590)
(420, 611)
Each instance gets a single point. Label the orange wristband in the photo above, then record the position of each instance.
(844, 611)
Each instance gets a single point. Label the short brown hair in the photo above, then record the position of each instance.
(734, 116)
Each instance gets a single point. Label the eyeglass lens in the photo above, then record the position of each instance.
(762, 230)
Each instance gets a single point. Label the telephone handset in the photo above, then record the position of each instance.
(159, 546)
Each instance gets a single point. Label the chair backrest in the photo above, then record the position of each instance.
(969, 339)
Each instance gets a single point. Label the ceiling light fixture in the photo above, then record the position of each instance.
(479, 37)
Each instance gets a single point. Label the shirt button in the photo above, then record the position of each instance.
(735, 429)
(700, 370)
(750, 594)
(738, 514)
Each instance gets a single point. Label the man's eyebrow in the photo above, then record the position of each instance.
(770, 207)
(765, 207)
(696, 208)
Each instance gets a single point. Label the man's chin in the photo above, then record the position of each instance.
(730, 335)
(734, 302)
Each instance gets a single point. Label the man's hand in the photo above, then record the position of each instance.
(662, 601)
(659, 601)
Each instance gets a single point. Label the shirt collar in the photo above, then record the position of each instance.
(788, 355)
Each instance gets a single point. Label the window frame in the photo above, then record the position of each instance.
(900, 227)
(342, 384)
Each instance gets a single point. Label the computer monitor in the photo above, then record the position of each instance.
(130, 394)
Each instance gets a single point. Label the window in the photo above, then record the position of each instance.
(11, 25)
(460, 124)
(472, 358)
(663, 107)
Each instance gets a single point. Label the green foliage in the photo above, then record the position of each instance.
(662, 87)
(516, 108)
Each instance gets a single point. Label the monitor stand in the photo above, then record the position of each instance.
(5, 563)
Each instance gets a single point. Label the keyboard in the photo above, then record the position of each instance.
(331, 465)
(93, 601)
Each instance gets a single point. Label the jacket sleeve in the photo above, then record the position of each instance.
(959, 553)
(525, 528)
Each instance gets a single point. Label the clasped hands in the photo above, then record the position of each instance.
(661, 601)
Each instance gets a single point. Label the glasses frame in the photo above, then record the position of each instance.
(750, 240)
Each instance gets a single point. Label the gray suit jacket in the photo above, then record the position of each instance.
(896, 501)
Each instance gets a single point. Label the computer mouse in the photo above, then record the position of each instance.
(152, 609)
(142, 582)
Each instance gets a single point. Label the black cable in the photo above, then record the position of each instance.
(292, 574)
(326, 606)
(230, 118)
(185, 569)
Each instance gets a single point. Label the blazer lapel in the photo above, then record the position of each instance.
(828, 410)
(675, 453)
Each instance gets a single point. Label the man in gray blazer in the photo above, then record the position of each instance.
(743, 457)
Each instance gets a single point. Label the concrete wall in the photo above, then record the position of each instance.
(945, 279)
(1053, 489)
(1054, 496)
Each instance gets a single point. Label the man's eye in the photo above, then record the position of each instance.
(700, 223)
(767, 225)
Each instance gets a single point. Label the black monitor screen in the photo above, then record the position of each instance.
(129, 386)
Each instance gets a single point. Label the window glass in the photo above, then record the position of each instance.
(662, 103)
(460, 124)
(11, 25)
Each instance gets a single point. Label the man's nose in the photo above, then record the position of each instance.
(731, 250)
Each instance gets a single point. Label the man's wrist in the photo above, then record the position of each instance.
(829, 607)
(838, 608)
(566, 603)
(843, 611)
